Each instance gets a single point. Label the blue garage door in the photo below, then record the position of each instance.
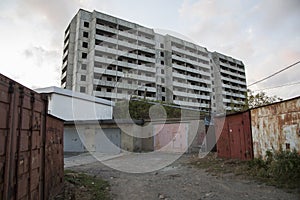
(108, 141)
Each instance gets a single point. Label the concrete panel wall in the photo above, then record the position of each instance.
(197, 136)
(275, 127)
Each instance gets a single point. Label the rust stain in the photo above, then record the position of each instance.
(22, 153)
(275, 127)
(234, 136)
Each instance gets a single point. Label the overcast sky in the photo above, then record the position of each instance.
(265, 35)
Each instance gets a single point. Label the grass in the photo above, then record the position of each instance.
(219, 167)
(84, 187)
(257, 169)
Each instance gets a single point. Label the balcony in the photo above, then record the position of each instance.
(116, 41)
(105, 83)
(66, 44)
(234, 87)
(107, 50)
(108, 72)
(232, 67)
(145, 30)
(233, 94)
(232, 73)
(106, 39)
(108, 29)
(146, 49)
(147, 59)
(145, 68)
(233, 80)
(196, 71)
(192, 62)
(192, 104)
(127, 44)
(128, 35)
(179, 66)
(64, 65)
(146, 40)
(140, 77)
(190, 86)
(63, 75)
(112, 95)
(127, 54)
(107, 61)
(183, 51)
(192, 95)
(182, 59)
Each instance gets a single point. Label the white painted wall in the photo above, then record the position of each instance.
(72, 106)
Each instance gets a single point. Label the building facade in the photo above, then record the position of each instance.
(111, 58)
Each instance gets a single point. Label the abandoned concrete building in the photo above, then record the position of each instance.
(114, 59)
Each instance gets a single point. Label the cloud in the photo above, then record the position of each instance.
(263, 34)
(41, 56)
(52, 12)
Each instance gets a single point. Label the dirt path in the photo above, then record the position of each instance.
(181, 181)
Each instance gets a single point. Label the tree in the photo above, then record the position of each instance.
(254, 100)
(260, 99)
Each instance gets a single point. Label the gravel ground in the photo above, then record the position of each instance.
(180, 180)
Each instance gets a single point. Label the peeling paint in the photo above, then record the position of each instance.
(276, 127)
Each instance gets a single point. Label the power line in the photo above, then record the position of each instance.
(279, 86)
(274, 73)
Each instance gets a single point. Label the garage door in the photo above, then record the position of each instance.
(108, 141)
(171, 137)
(72, 141)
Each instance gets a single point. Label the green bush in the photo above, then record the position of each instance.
(139, 109)
(282, 167)
(285, 166)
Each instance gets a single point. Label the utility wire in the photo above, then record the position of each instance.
(279, 86)
(274, 73)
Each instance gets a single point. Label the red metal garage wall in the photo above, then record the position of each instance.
(54, 157)
(234, 136)
(22, 132)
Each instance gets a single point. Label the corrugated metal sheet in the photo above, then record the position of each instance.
(276, 126)
(22, 132)
(54, 157)
(233, 135)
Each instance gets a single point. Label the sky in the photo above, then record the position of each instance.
(265, 34)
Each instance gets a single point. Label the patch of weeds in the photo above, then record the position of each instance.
(83, 186)
(218, 166)
(280, 169)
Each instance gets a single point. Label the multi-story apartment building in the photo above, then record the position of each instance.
(111, 58)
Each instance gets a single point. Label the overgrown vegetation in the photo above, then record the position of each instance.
(83, 186)
(143, 109)
(281, 169)
(254, 100)
(260, 99)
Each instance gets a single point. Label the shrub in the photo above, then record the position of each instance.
(285, 166)
(282, 167)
